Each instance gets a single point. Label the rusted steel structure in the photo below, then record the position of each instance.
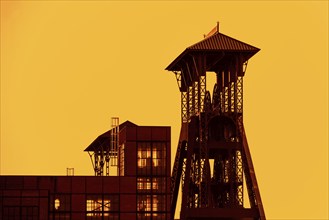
(104, 149)
(142, 191)
(213, 160)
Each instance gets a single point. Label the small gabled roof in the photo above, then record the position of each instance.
(104, 140)
(215, 43)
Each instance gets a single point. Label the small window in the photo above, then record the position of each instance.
(159, 184)
(144, 203)
(159, 203)
(143, 155)
(60, 203)
(144, 184)
(57, 204)
(159, 158)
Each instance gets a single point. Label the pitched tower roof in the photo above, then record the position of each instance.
(217, 43)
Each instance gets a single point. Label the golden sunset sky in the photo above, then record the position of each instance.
(67, 67)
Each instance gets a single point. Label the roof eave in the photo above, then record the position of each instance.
(173, 66)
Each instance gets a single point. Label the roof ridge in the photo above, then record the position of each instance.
(239, 41)
(212, 42)
(216, 43)
(204, 39)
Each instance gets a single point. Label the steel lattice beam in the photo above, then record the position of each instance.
(214, 131)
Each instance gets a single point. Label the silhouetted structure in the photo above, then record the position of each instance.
(213, 158)
(104, 150)
(142, 191)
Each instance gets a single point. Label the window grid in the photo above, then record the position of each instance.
(151, 159)
(151, 180)
(102, 206)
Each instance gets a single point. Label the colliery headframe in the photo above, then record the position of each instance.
(213, 160)
(133, 180)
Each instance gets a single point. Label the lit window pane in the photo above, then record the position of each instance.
(57, 204)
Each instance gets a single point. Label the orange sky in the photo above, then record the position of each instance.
(67, 67)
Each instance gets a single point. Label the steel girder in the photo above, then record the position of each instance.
(213, 131)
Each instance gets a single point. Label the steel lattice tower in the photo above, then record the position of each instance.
(213, 158)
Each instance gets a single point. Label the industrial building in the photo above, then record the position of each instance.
(213, 167)
(213, 164)
(140, 189)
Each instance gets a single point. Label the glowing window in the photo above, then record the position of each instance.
(102, 205)
(155, 160)
(98, 207)
(159, 203)
(144, 203)
(155, 184)
(57, 204)
(94, 207)
(155, 203)
(144, 184)
(143, 155)
(60, 203)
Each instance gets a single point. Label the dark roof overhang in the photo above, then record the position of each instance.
(104, 140)
(216, 47)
